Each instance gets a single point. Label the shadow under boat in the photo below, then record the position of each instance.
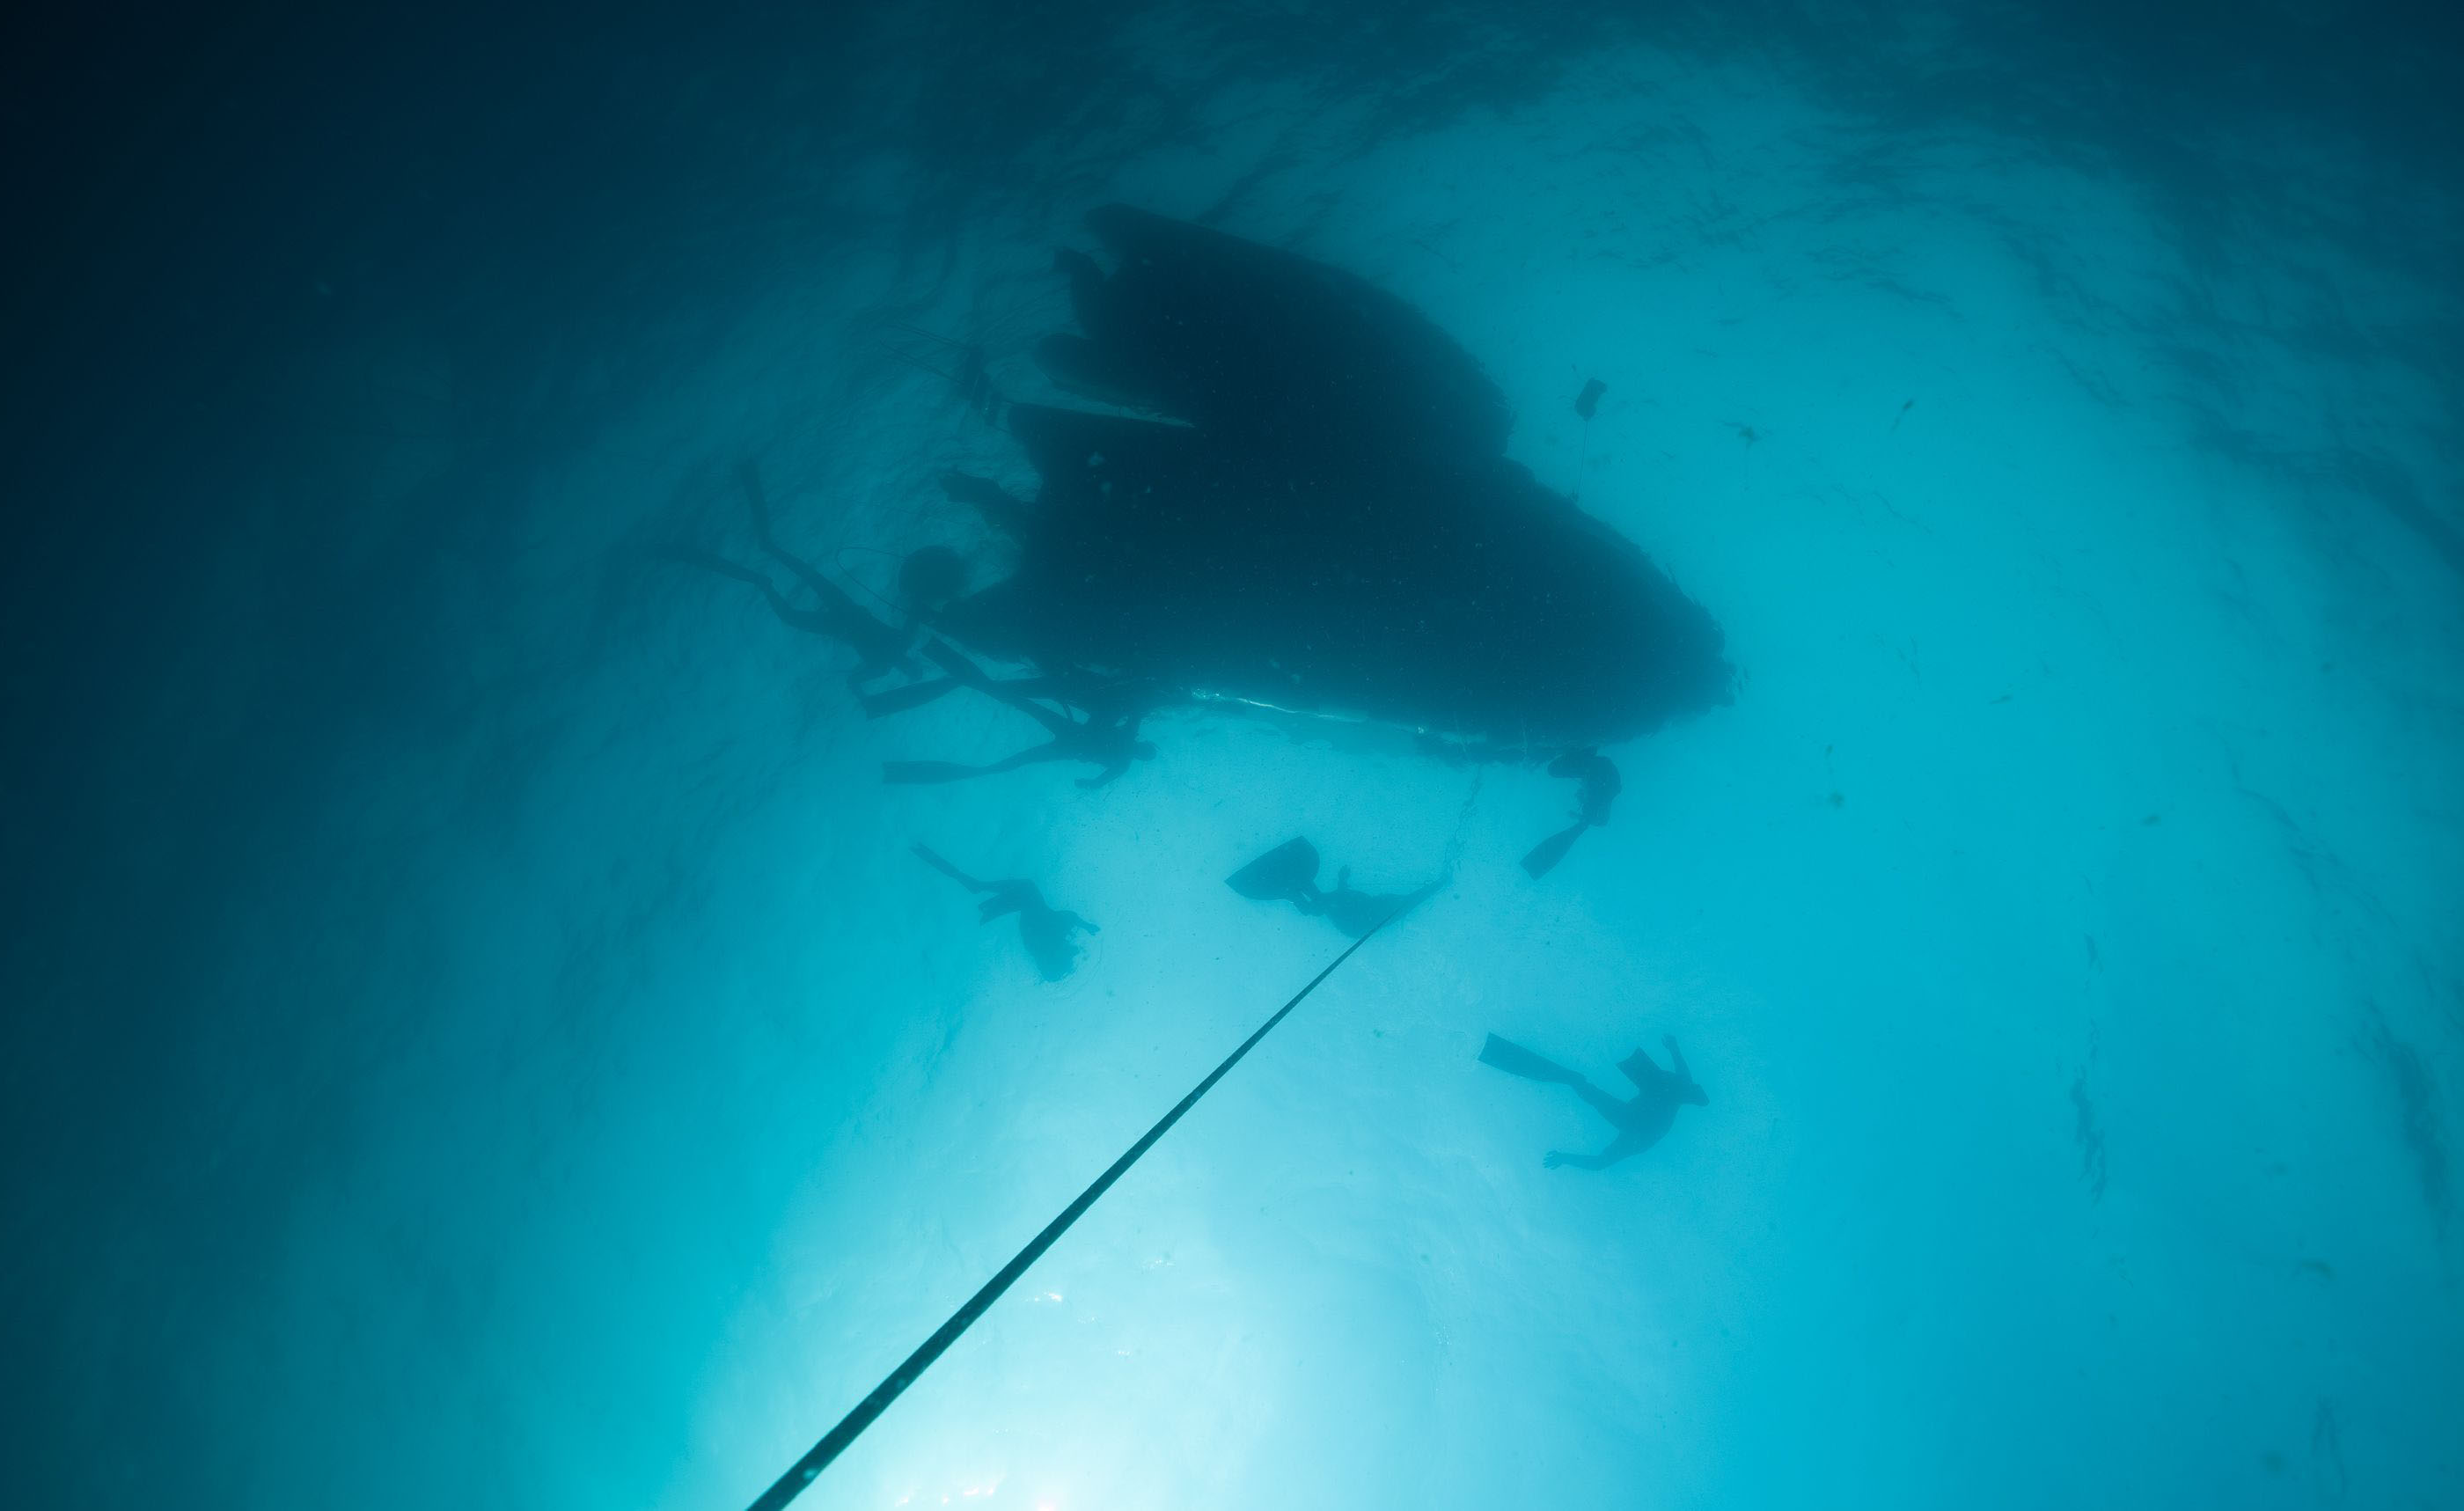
(1311, 521)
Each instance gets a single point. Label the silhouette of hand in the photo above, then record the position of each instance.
(1552, 1160)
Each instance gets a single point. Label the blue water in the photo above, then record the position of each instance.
(477, 1034)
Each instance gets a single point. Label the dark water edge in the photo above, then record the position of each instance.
(220, 216)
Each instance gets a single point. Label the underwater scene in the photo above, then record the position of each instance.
(1105, 754)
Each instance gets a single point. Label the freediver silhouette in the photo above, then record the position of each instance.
(1640, 1122)
(880, 648)
(1599, 787)
(1107, 737)
(1287, 874)
(1048, 932)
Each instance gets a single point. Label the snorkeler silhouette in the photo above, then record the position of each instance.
(880, 648)
(1601, 785)
(1106, 738)
(1048, 932)
(1640, 1123)
(1287, 874)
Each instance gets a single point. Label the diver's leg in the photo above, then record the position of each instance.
(788, 613)
(933, 858)
(925, 773)
(1627, 1146)
(957, 663)
(898, 700)
(1049, 749)
(1018, 693)
(712, 561)
(1598, 1101)
(914, 695)
(950, 659)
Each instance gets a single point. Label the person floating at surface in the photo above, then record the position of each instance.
(1640, 1123)
(1600, 786)
(1287, 874)
(1048, 932)
(880, 648)
(1106, 738)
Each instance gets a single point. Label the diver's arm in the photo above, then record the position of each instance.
(788, 613)
(1075, 921)
(756, 503)
(840, 614)
(1676, 1058)
(794, 617)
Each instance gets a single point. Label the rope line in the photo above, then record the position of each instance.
(808, 1468)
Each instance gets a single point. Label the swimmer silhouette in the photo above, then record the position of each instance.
(880, 648)
(1049, 933)
(1640, 1123)
(1599, 786)
(1287, 874)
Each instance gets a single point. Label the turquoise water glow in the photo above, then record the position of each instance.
(488, 1042)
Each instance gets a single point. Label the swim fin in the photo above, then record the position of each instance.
(923, 773)
(1287, 874)
(1516, 1060)
(1545, 854)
